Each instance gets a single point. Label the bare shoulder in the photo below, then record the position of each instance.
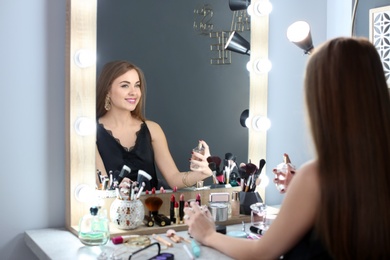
(307, 174)
(154, 128)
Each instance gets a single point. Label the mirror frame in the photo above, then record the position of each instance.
(80, 100)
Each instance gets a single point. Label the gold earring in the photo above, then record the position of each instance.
(107, 103)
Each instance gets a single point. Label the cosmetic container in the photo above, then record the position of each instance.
(235, 204)
(127, 214)
(94, 228)
(198, 149)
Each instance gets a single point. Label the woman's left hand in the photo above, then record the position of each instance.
(200, 222)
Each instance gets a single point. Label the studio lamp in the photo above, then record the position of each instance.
(299, 34)
(238, 44)
(239, 4)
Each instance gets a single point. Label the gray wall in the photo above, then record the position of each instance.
(32, 86)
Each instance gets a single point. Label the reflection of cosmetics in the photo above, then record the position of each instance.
(198, 199)
(125, 172)
(172, 209)
(148, 221)
(195, 248)
(177, 212)
(181, 208)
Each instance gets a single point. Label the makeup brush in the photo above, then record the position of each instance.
(144, 177)
(213, 168)
(140, 190)
(153, 204)
(125, 172)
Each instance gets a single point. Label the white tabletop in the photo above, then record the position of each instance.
(62, 244)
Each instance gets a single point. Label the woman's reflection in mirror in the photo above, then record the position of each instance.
(126, 138)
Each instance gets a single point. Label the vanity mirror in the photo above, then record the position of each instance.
(80, 100)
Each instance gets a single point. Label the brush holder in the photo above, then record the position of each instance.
(246, 200)
(127, 214)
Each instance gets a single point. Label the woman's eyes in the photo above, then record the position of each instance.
(127, 85)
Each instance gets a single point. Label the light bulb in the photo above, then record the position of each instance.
(85, 58)
(84, 193)
(85, 126)
(260, 8)
(261, 123)
(298, 31)
(264, 180)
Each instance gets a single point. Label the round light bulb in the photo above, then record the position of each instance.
(85, 126)
(85, 58)
(261, 123)
(264, 180)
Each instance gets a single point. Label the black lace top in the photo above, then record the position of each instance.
(138, 157)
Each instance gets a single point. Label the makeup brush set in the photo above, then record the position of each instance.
(226, 173)
(249, 175)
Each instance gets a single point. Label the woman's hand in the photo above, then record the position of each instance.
(198, 161)
(124, 187)
(200, 222)
(284, 173)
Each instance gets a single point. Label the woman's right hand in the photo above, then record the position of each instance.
(200, 222)
(284, 173)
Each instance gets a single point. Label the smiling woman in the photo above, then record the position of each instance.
(126, 139)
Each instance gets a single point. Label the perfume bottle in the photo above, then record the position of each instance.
(198, 149)
(94, 228)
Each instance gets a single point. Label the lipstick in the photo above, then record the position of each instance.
(181, 208)
(198, 199)
(172, 209)
(176, 212)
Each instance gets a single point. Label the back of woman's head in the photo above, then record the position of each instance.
(109, 73)
(348, 106)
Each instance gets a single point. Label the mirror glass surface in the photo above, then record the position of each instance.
(189, 97)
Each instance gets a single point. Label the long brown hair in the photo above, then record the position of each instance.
(348, 106)
(110, 72)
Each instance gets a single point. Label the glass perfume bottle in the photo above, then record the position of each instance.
(198, 149)
(94, 228)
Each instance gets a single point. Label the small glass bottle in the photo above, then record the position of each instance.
(235, 204)
(94, 228)
(198, 149)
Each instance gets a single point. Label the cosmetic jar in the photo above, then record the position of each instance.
(258, 214)
(219, 211)
(127, 214)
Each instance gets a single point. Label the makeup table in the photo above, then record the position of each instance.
(62, 244)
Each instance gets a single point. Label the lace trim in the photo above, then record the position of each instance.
(127, 149)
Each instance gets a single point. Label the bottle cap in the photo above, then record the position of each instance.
(93, 210)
